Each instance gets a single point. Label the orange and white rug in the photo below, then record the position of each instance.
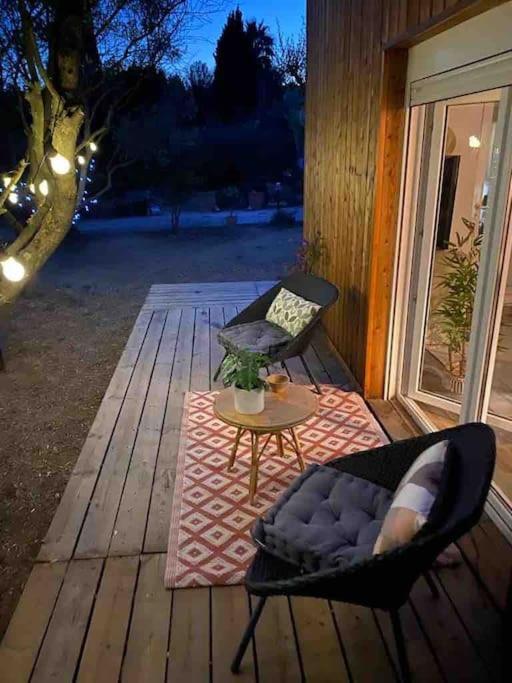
(209, 540)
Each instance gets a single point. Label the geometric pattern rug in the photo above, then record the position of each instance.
(209, 539)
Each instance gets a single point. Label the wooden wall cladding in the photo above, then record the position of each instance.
(349, 140)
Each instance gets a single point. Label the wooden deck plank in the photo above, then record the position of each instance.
(230, 615)
(315, 367)
(360, 635)
(98, 526)
(130, 526)
(481, 619)
(103, 653)
(297, 371)
(318, 642)
(493, 567)
(157, 530)
(146, 650)
(216, 350)
(60, 651)
(459, 659)
(422, 658)
(200, 373)
(276, 650)
(335, 367)
(189, 648)
(23, 638)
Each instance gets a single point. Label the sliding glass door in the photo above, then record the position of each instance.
(456, 334)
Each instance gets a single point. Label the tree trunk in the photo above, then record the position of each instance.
(56, 210)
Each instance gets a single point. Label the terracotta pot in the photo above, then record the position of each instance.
(249, 402)
(278, 383)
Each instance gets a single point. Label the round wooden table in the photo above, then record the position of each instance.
(283, 412)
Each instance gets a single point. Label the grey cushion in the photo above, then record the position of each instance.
(325, 519)
(260, 336)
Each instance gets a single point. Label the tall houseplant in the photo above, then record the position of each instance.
(454, 312)
(241, 370)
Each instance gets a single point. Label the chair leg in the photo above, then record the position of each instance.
(217, 372)
(246, 638)
(431, 584)
(317, 386)
(405, 672)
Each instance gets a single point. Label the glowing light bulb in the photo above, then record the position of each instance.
(13, 198)
(6, 180)
(44, 188)
(13, 270)
(32, 188)
(474, 142)
(93, 146)
(60, 164)
(80, 159)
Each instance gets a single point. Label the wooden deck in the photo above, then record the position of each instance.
(95, 608)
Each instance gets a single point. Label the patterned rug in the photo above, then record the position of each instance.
(209, 540)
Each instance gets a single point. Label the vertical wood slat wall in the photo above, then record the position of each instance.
(346, 40)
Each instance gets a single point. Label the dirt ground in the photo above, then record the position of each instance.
(62, 341)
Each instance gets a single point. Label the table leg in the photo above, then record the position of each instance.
(280, 446)
(234, 450)
(253, 484)
(297, 449)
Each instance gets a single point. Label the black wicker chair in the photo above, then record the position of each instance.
(384, 581)
(309, 287)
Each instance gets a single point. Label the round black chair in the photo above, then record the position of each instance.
(385, 581)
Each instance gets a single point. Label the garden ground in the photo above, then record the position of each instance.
(64, 338)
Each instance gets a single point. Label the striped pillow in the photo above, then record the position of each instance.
(414, 499)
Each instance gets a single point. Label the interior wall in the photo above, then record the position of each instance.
(464, 121)
(344, 113)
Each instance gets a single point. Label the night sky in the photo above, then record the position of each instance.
(289, 13)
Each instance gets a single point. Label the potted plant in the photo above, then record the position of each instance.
(454, 312)
(241, 370)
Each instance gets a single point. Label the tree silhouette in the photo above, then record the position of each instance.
(244, 78)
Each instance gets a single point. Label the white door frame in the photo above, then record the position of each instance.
(495, 249)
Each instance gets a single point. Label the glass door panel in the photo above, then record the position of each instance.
(458, 169)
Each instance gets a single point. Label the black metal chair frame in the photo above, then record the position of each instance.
(307, 286)
(385, 581)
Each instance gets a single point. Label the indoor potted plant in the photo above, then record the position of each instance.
(241, 370)
(454, 312)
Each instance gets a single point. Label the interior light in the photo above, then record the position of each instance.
(13, 270)
(474, 142)
(60, 164)
(44, 188)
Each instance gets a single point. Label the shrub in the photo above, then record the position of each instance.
(283, 218)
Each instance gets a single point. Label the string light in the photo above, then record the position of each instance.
(44, 188)
(93, 146)
(6, 180)
(13, 270)
(13, 198)
(32, 188)
(60, 165)
(80, 159)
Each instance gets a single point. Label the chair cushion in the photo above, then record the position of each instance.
(417, 499)
(260, 336)
(291, 312)
(326, 518)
